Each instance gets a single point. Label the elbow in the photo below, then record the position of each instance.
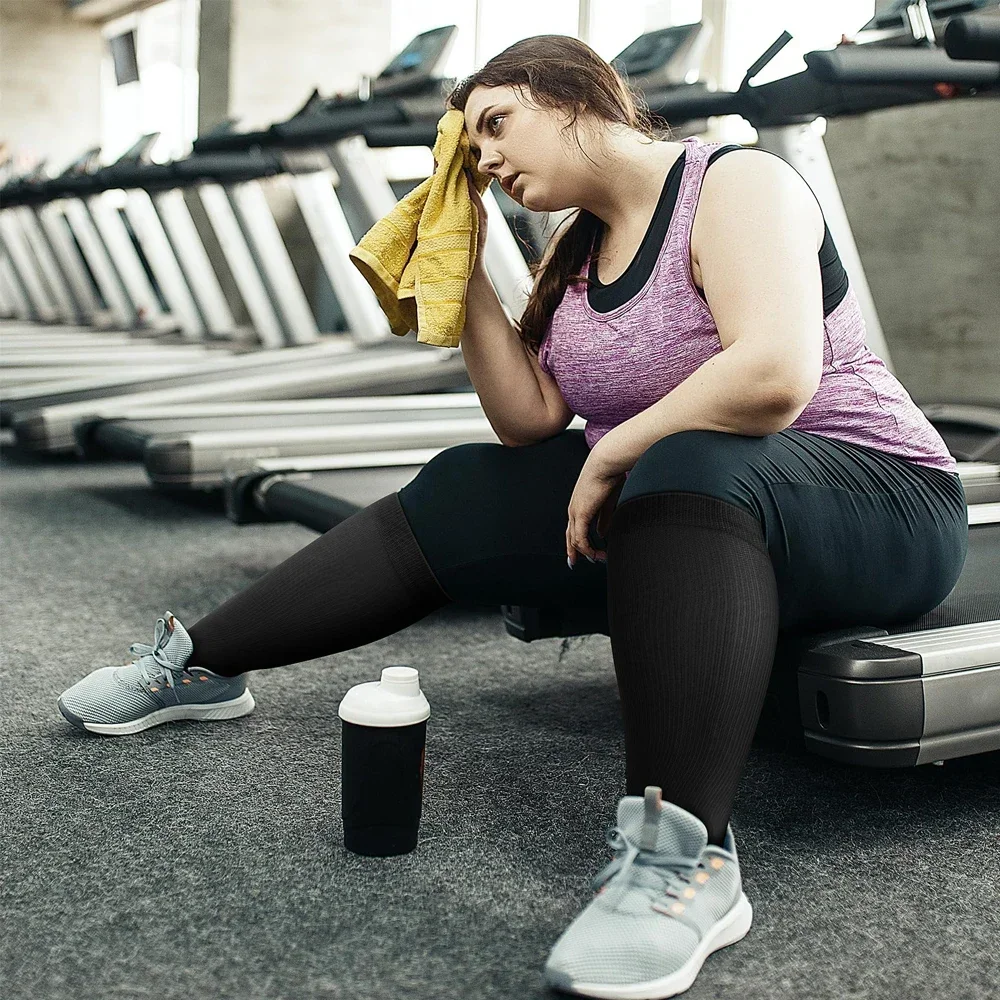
(510, 443)
(784, 405)
(537, 439)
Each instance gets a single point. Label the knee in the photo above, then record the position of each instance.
(454, 476)
(460, 463)
(705, 462)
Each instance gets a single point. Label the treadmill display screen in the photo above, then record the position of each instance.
(652, 50)
(421, 53)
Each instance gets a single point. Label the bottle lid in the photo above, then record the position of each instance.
(395, 700)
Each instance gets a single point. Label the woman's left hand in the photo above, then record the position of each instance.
(596, 493)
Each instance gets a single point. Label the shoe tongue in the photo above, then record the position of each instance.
(179, 646)
(652, 824)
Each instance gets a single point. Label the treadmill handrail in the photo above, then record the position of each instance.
(864, 64)
(973, 36)
(805, 96)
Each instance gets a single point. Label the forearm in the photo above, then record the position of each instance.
(498, 365)
(729, 393)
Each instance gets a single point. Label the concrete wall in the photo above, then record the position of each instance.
(921, 187)
(281, 49)
(50, 77)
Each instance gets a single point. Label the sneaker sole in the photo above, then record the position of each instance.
(733, 927)
(234, 709)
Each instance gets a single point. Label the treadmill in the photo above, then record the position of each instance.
(35, 287)
(922, 692)
(34, 357)
(43, 421)
(228, 186)
(170, 245)
(194, 446)
(69, 239)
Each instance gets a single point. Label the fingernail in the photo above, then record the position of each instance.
(568, 562)
(591, 560)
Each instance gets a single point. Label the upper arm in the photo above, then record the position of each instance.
(561, 414)
(757, 248)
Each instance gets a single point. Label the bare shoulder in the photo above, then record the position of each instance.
(749, 177)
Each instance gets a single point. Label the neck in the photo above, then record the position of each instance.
(625, 192)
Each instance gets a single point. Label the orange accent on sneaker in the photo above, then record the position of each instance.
(717, 863)
(203, 678)
(154, 689)
(701, 877)
(185, 681)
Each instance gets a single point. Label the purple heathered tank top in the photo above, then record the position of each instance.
(611, 366)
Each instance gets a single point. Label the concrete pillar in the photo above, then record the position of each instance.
(214, 55)
(921, 187)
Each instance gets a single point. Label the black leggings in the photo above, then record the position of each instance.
(717, 542)
(855, 536)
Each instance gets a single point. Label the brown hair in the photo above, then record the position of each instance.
(561, 73)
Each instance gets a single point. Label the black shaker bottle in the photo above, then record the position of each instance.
(382, 762)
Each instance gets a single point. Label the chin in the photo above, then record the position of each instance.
(545, 203)
(535, 203)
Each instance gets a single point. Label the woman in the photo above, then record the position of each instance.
(753, 466)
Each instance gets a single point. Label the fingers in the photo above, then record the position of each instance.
(581, 546)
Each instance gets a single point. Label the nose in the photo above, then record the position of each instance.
(487, 161)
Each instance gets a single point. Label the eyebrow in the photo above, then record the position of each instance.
(479, 124)
(482, 117)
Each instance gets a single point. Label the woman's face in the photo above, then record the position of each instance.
(517, 142)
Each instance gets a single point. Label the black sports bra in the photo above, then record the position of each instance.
(604, 298)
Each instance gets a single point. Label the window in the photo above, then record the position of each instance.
(503, 22)
(165, 97)
(751, 27)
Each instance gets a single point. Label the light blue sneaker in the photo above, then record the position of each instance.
(664, 904)
(156, 688)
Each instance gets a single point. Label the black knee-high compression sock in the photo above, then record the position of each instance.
(693, 622)
(362, 580)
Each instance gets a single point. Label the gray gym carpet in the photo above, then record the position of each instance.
(205, 860)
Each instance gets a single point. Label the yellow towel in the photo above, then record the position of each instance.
(419, 258)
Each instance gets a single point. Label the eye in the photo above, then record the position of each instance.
(491, 120)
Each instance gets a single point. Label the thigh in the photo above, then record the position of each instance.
(491, 522)
(855, 536)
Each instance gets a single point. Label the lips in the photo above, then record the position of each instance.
(508, 186)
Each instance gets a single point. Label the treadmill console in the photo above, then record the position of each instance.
(903, 22)
(419, 62)
(664, 58)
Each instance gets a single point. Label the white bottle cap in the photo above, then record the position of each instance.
(395, 700)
